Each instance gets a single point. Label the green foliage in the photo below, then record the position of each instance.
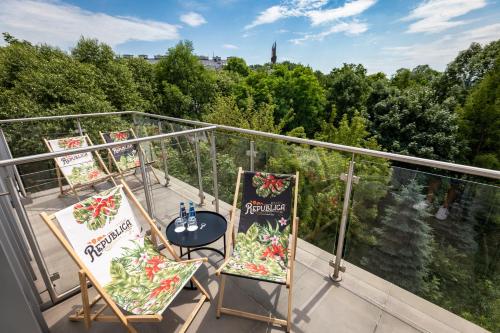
(410, 122)
(237, 65)
(421, 75)
(404, 242)
(466, 70)
(186, 87)
(347, 90)
(480, 121)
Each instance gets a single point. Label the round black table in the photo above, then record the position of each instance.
(211, 227)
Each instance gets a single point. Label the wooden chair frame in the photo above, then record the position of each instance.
(291, 263)
(74, 187)
(85, 314)
(113, 160)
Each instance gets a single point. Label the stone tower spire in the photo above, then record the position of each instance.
(273, 54)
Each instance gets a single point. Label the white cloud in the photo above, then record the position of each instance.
(270, 15)
(62, 25)
(441, 51)
(312, 10)
(193, 19)
(230, 46)
(349, 9)
(433, 16)
(349, 28)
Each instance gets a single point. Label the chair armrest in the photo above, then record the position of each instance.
(204, 259)
(219, 270)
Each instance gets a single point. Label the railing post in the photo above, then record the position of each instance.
(213, 154)
(28, 233)
(79, 126)
(198, 167)
(252, 155)
(6, 154)
(145, 181)
(343, 223)
(164, 156)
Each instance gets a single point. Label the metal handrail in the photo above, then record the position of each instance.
(69, 116)
(46, 156)
(488, 173)
(466, 169)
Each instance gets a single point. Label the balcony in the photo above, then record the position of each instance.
(201, 167)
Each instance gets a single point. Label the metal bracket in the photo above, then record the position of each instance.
(343, 177)
(332, 264)
(249, 153)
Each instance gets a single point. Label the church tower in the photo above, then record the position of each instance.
(273, 54)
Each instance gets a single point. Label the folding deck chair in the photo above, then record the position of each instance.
(104, 238)
(126, 157)
(79, 170)
(262, 249)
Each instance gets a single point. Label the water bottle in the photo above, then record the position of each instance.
(183, 213)
(192, 225)
(192, 211)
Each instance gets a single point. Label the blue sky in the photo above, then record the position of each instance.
(383, 35)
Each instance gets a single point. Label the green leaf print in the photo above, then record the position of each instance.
(143, 280)
(261, 252)
(84, 173)
(95, 211)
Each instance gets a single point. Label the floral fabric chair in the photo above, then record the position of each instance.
(126, 157)
(105, 239)
(264, 246)
(79, 170)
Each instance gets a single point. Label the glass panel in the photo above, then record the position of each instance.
(435, 236)
(321, 190)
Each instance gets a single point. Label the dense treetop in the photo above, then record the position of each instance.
(450, 115)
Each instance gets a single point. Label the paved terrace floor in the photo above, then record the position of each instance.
(362, 302)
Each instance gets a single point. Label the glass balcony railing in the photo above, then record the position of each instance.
(429, 227)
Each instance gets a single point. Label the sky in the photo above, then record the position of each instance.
(383, 35)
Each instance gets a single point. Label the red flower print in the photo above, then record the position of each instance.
(104, 205)
(152, 266)
(165, 285)
(274, 250)
(73, 143)
(94, 174)
(259, 269)
(119, 136)
(272, 183)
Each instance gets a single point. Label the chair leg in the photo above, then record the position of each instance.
(200, 288)
(289, 314)
(221, 294)
(191, 317)
(85, 299)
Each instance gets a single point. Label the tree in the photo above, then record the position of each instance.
(412, 123)
(237, 65)
(296, 93)
(115, 79)
(185, 85)
(144, 78)
(347, 89)
(404, 248)
(421, 75)
(480, 121)
(466, 70)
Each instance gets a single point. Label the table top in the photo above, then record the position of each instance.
(214, 229)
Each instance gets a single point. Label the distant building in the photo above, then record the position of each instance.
(216, 62)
